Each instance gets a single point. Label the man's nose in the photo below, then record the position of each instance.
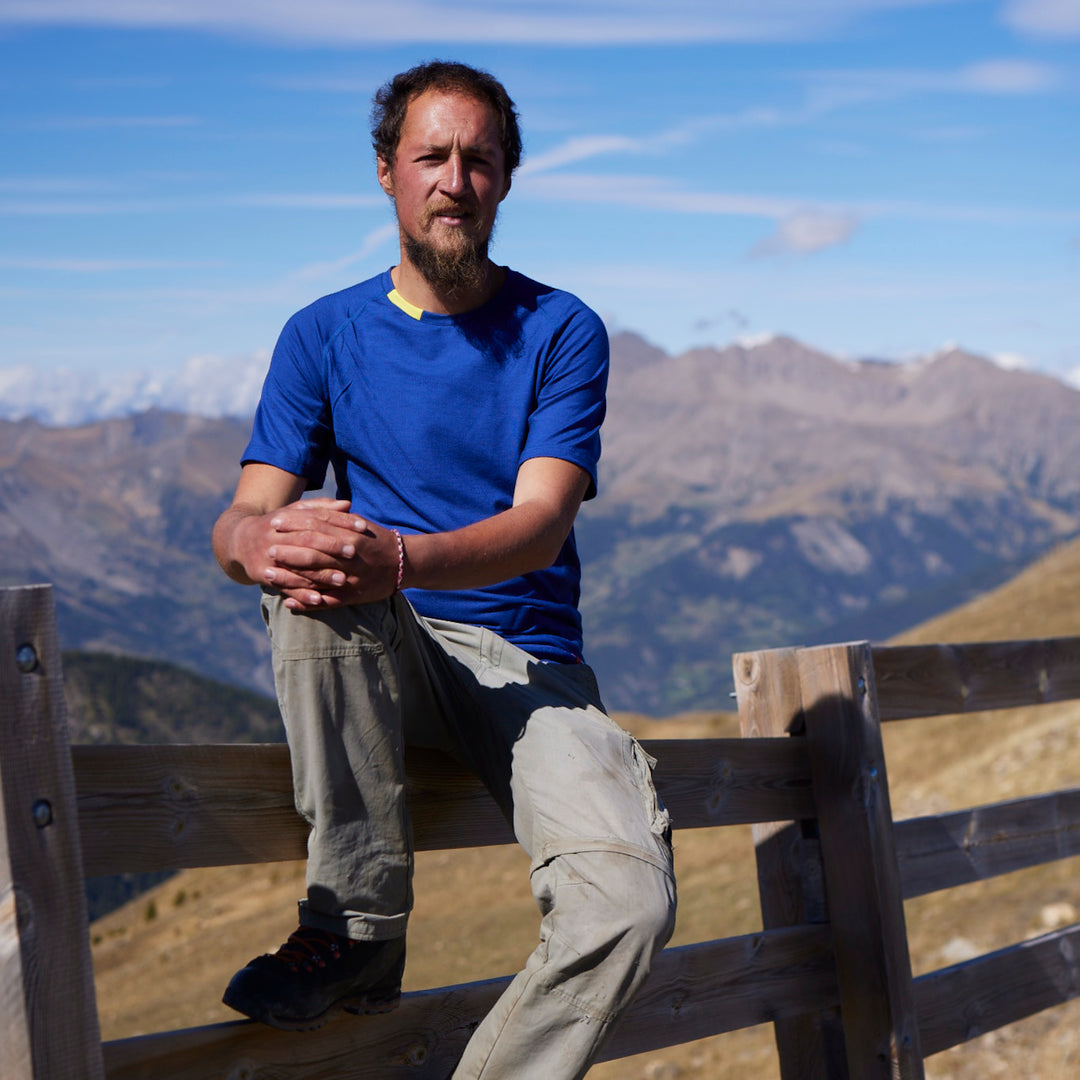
(455, 177)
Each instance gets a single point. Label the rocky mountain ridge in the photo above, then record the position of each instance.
(749, 497)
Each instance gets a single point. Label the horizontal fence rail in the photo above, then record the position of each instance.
(960, 1003)
(170, 807)
(830, 971)
(938, 680)
(694, 991)
(945, 850)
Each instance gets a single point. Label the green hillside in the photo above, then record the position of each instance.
(121, 699)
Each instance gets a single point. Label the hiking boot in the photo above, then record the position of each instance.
(315, 975)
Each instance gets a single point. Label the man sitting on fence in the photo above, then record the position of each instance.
(434, 602)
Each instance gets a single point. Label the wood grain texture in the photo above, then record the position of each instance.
(165, 807)
(945, 850)
(935, 680)
(960, 1003)
(790, 878)
(43, 902)
(862, 877)
(694, 991)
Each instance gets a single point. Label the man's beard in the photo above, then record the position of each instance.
(461, 267)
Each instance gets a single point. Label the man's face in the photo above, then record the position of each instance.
(447, 179)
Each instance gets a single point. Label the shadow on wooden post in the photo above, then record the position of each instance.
(790, 874)
(862, 874)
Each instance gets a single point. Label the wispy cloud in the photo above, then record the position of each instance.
(46, 207)
(592, 22)
(319, 200)
(96, 123)
(654, 193)
(374, 240)
(826, 92)
(806, 232)
(802, 226)
(325, 84)
(1044, 18)
(75, 265)
(1007, 77)
(829, 91)
(579, 148)
(90, 208)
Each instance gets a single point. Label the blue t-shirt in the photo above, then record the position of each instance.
(426, 419)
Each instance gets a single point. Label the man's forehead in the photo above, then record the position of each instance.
(431, 105)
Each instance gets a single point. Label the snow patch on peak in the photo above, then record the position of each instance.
(1011, 361)
(210, 386)
(756, 341)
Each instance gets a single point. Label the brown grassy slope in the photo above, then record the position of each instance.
(162, 961)
(952, 762)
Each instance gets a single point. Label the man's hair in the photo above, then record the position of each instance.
(393, 99)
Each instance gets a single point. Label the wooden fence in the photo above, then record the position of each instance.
(830, 970)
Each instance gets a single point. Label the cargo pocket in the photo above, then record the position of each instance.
(657, 814)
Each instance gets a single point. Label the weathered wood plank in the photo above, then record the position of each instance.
(700, 990)
(933, 680)
(707, 782)
(51, 1031)
(167, 807)
(946, 850)
(862, 878)
(790, 884)
(960, 1003)
(694, 991)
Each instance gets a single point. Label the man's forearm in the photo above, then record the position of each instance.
(227, 549)
(517, 541)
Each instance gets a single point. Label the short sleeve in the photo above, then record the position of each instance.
(570, 396)
(292, 428)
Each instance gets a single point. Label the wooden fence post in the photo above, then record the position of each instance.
(48, 1022)
(862, 876)
(790, 881)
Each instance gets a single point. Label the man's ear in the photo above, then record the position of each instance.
(385, 173)
(506, 189)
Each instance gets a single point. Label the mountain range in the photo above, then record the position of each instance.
(750, 496)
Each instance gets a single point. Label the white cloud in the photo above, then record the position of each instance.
(332, 267)
(1008, 77)
(654, 193)
(47, 207)
(281, 200)
(1044, 18)
(808, 231)
(803, 224)
(559, 22)
(76, 265)
(308, 200)
(578, 149)
(830, 91)
(95, 123)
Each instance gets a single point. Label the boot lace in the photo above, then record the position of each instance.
(309, 948)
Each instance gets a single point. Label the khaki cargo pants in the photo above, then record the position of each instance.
(355, 685)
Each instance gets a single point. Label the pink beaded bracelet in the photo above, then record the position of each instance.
(400, 560)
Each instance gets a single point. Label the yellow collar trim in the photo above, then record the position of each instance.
(398, 300)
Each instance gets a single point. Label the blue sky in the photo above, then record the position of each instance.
(874, 177)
